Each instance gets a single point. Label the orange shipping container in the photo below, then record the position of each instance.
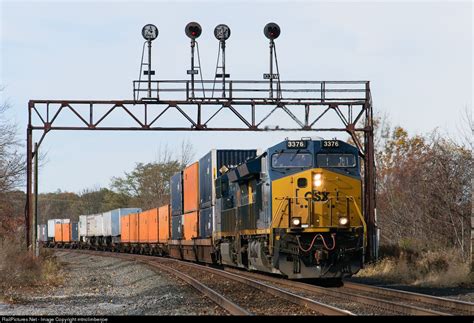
(134, 227)
(66, 232)
(153, 226)
(58, 232)
(143, 227)
(125, 228)
(191, 188)
(190, 224)
(164, 223)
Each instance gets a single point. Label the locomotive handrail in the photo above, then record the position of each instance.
(278, 210)
(361, 218)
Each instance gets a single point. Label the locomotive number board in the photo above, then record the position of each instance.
(330, 144)
(296, 144)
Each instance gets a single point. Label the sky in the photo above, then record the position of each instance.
(417, 56)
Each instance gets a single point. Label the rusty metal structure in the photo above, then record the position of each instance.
(251, 103)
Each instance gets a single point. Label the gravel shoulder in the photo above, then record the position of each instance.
(95, 285)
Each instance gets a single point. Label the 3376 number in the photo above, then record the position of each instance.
(296, 144)
(330, 143)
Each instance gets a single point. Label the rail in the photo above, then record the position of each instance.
(460, 306)
(338, 294)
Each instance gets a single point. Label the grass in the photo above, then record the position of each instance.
(20, 270)
(424, 268)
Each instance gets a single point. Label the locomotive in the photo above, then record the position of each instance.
(294, 210)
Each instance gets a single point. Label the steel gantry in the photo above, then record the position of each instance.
(304, 104)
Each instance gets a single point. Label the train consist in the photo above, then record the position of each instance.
(293, 210)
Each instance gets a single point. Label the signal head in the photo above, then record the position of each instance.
(271, 31)
(222, 32)
(193, 30)
(149, 32)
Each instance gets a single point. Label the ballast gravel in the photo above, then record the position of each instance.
(95, 285)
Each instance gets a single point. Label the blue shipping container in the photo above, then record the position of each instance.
(177, 194)
(205, 222)
(74, 231)
(210, 168)
(177, 227)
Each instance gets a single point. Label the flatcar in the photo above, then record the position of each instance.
(294, 209)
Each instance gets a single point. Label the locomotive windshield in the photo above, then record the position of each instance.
(291, 159)
(336, 160)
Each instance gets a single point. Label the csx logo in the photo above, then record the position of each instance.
(317, 196)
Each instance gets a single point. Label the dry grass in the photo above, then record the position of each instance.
(19, 269)
(427, 268)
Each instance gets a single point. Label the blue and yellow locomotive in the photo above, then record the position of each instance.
(294, 210)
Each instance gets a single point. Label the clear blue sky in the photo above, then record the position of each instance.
(418, 57)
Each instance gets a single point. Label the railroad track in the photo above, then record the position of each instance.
(376, 300)
(351, 299)
(423, 300)
(236, 294)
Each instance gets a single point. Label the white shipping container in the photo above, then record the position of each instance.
(82, 225)
(107, 224)
(99, 225)
(42, 233)
(91, 225)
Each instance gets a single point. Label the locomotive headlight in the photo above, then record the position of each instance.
(296, 222)
(317, 180)
(343, 220)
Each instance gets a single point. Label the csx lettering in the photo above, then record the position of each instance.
(320, 196)
(317, 196)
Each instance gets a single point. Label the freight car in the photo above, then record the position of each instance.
(293, 210)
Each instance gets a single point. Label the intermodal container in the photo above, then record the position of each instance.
(99, 225)
(58, 232)
(206, 222)
(82, 226)
(66, 232)
(125, 228)
(51, 227)
(190, 225)
(108, 221)
(164, 223)
(111, 220)
(143, 226)
(176, 227)
(177, 194)
(75, 231)
(191, 188)
(42, 232)
(134, 227)
(94, 225)
(153, 225)
(210, 167)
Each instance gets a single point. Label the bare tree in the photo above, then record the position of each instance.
(12, 163)
(187, 152)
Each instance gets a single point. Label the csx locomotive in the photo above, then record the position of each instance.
(293, 210)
